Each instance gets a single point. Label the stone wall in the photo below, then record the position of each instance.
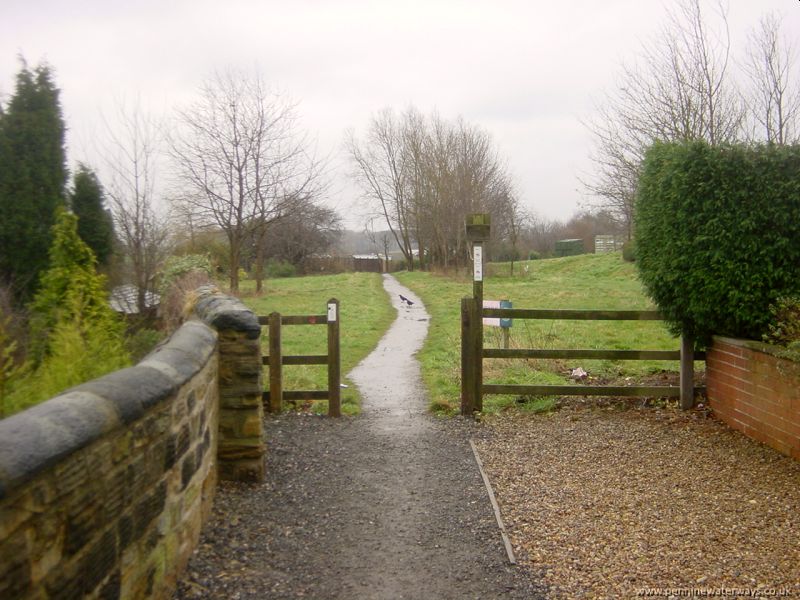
(104, 489)
(241, 412)
(756, 392)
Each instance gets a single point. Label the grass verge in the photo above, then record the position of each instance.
(589, 281)
(366, 314)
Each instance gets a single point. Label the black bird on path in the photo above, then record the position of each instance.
(406, 300)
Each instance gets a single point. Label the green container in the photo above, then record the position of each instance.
(569, 247)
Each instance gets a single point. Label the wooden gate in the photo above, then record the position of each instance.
(473, 353)
(274, 397)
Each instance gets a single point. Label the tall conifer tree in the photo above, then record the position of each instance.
(33, 176)
(95, 226)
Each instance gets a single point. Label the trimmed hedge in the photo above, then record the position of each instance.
(718, 235)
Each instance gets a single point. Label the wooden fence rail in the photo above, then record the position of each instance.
(473, 353)
(275, 360)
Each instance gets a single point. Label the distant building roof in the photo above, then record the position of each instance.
(124, 299)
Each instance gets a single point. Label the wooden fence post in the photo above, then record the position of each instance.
(467, 371)
(477, 351)
(687, 372)
(334, 360)
(471, 361)
(275, 358)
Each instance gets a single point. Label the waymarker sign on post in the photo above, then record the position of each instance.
(503, 323)
(478, 229)
(498, 322)
(477, 262)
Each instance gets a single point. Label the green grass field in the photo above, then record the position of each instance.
(587, 281)
(365, 315)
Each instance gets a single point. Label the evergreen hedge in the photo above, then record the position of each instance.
(718, 235)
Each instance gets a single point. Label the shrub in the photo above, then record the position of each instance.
(534, 255)
(76, 335)
(784, 328)
(141, 342)
(9, 369)
(79, 348)
(176, 267)
(176, 302)
(279, 268)
(71, 292)
(718, 235)
(629, 251)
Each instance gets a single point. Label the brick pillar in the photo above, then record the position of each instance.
(241, 446)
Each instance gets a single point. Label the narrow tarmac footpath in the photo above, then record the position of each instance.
(386, 505)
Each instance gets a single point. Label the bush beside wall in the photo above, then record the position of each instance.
(718, 235)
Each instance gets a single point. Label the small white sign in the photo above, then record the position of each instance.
(491, 304)
(331, 313)
(477, 263)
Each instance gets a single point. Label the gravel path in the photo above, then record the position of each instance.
(386, 505)
(608, 502)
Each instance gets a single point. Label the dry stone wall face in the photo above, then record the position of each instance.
(104, 489)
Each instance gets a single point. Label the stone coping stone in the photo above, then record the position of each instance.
(41, 436)
(226, 312)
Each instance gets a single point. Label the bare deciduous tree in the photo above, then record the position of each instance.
(131, 158)
(241, 160)
(680, 89)
(423, 175)
(307, 230)
(381, 171)
(773, 96)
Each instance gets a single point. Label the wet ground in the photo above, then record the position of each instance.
(389, 504)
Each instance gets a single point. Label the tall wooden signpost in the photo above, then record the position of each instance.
(478, 229)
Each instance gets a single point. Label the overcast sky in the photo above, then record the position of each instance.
(528, 72)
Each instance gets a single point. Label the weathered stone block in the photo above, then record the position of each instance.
(111, 588)
(226, 313)
(249, 397)
(15, 570)
(188, 468)
(98, 562)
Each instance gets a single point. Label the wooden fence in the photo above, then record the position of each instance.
(473, 353)
(274, 397)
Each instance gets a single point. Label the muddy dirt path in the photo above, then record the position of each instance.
(386, 505)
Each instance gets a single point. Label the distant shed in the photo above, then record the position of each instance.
(124, 300)
(607, 243)
(570, 247)
(370, 263)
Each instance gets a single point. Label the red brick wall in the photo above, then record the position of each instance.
(755, 392)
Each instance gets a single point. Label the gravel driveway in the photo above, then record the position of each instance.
(610, 503)
(389, 504)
